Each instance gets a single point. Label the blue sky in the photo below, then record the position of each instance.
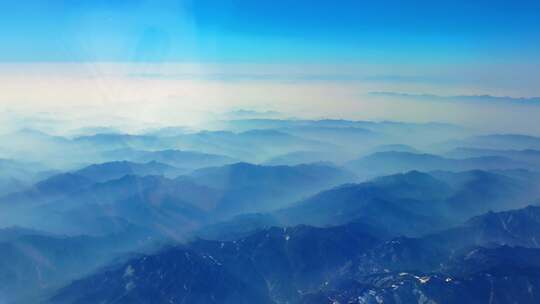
(385, 31)
(180, 60)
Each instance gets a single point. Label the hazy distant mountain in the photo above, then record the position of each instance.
(187, 160)
(34, 146)
(10, 185)
(73, 203)
(247, 124)
(480, 191)
(49, 189)
(459, 98)
(306, 157)
(118, 141)
(465, 152)
(350, 137)
(23, 137)
(16, 175)
(25, 171)
(114, 170)
(168, 131)
(529, 156)
(242, 175)
(251, 114)
(400, 204)
(414, 202)
(384, 163)
(421, 134)
(252, 145)
(171, 206)
(497, 142)
(255, 188)
(394, 148)
(65, 183)
(90, 131)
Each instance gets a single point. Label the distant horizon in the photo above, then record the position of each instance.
(188, 62)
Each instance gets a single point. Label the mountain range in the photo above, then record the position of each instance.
(270, 210)
(304, 264)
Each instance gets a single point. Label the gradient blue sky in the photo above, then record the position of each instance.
(384, 31)
(181, 62)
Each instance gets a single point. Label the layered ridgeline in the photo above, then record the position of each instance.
(99, 199)
(412, 203)
(250, 140)
(365, 240)
(270, 211)
(389, 162)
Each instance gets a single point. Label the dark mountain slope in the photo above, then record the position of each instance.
(33, 263)
(345, 263)
(176, 275)
(273, 264)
